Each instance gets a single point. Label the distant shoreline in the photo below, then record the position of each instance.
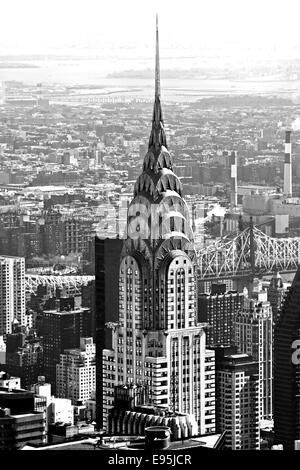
(18, 66)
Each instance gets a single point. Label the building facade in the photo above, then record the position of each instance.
(62, 329)
(254, 336)
(276, 294)
(12, 292)
(237, 393)
(107, 260)
(158, 343)
(218, 309)
(287, 369)
(76, 372)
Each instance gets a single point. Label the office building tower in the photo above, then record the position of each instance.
(233, 179)
(158, 343)
(276, 293)
(210, 392)
(254, 336)
(218, 309)
(62, 328)
(287, 177)
(237, 394)
(77, 232)
(12, 292)
(76, 372)
(287, 369)
(107, 261)
(24, 355)
(51, 233)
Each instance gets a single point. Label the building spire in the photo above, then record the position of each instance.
(157, 136)
(157, 67)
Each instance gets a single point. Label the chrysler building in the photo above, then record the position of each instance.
(158, 343)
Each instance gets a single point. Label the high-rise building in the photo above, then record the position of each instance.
(276, 293)
(24, 355)
(158, 343)
(210, 392)
(12, 292)
(287, 369)
(77, 232)
(51, 233)
(218, 309)
(62, 329)
(254, 336)
(107, 260)
(76, 372)
(237, 394)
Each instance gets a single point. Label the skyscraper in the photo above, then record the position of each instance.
(218, 309)
(287, 369)
(157, 341)
(254, 336)
(76, 372)
(62, 329)
(237, 393)
(107, 260)
(24, 356)
(276, 293)
(12, 292)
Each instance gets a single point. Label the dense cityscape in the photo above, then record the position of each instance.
(149, 269)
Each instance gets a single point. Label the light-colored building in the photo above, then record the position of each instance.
(2, 350)
(254, 336)
(12, 292)
(210, 392)
(6, 380)
(60, 410)
(76, 372)
(42, 389)
(158, 343)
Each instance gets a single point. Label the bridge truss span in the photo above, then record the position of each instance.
(74, 283)
(250, 251)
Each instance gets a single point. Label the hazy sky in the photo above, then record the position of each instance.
(36, 25)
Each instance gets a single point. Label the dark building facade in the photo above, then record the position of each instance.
(24, 358)
(62, 329)
(276, 294)
(287, 369)
(107, 260)
(218, 309)
(237, 398)
(19, 422)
